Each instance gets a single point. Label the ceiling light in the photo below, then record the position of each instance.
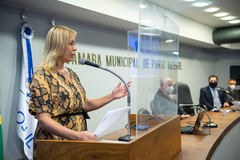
(142, 6)
(211, 9)
(201, 4)
(189, 0)
(169, 40)
(234, 21)
(228, 18)
(221, 14)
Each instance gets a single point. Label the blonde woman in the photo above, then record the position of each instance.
(58, 100)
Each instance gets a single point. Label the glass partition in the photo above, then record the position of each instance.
(153, 49)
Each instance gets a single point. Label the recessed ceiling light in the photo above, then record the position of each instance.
(201, 4)
(169, 40)
(234, 21)
(228, 18)
(211, 9)
(221, 14)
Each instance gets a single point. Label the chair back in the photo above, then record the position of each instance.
(143, 111)
(184, 95)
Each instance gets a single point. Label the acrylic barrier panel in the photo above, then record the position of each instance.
(155, 47)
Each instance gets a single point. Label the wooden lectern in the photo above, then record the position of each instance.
(159, 141)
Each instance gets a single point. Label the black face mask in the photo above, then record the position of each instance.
(213, 85)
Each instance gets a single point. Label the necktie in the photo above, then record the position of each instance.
(216, 99)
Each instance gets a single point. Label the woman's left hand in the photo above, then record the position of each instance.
(119, 92)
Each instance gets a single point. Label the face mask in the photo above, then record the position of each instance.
(213, 85)
(233, 87)
(169, 89)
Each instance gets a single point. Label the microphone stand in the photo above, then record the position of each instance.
(233, 102)
(230, 98)
(228, 94)
(209, 123)
(127, 137)
(193, 106)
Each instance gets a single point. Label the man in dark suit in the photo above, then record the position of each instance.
(211, 97)
(233, 94)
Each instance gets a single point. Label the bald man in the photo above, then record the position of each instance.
(164, 103)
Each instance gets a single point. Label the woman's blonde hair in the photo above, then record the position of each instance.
(56, 41)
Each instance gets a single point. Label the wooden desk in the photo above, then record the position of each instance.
(160, 141)
(203, 146)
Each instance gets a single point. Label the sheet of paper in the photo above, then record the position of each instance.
(222, 110)
(225, 110)
(105, 140)
(110, 118)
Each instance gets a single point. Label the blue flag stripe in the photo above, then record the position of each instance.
(30, 63)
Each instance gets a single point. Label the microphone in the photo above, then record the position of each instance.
(186, 105)
(193, 106)
(228, 94)
(221, 89)
(128, 137)
(83, 61)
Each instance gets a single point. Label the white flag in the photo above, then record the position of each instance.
(26, 123)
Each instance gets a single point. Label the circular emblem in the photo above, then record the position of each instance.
(27, 31)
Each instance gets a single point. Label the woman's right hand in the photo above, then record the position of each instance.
(85, 136)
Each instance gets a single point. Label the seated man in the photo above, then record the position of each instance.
(233, 94)
(211, 97)
(164, 103)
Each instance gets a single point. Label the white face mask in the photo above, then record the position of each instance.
(233, 87)
(169, 89)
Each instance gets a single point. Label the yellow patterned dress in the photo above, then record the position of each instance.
(51, 93)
